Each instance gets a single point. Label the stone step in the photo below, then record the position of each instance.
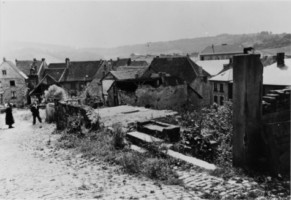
(143, 140)
(168, 132)
(138, 149)
(191, 160)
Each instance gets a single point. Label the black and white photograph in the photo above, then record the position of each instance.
(145, 100)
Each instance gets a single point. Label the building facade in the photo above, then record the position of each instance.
(221, 52)
(13, 85)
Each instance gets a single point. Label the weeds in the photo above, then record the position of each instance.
(110, 146)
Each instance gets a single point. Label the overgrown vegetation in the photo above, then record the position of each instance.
(109, 146)
(208, 134)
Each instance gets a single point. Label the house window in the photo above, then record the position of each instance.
(221, 87)
(221, 100)
(13, 94)
(215, 99)
(215, 87)
(12, 83)
(4, 72)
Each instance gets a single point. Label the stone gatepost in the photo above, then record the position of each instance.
(247, 109)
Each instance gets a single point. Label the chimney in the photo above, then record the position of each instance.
(4, 59)
(67, 62)
(280, 59)
(248, 50)
(117, 58)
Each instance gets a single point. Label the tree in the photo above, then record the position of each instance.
(55, 93)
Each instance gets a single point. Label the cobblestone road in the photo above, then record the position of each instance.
(30, 169)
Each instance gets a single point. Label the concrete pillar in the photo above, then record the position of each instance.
(247, 113)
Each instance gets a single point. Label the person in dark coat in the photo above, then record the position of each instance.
(35, 112)
(9, 117)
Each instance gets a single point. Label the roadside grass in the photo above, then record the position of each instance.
(110, 146)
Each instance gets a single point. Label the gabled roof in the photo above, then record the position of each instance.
(57, 65)
(180, 66)
(13, 66)
(213, 67)
(131, 67)
(120, 62)
(81, 71)
(139, 63)
(223, 49)
(226, 76)
(54, 73)
(272, 75)
(128, 74)
(43, 81)
(25, 65)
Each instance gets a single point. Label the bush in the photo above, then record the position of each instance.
(94, 119)
(55, 92)
(118, 137)
(131, 162)
(159, 169)
(74, 125)
(208, 135)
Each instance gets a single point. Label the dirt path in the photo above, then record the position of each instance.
(31, 169)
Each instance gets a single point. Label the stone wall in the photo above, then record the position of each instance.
(203, 87)
(64, 110)
(163, 97)
(276, 130)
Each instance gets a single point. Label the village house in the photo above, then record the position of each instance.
(142, 86)
(275, 76)
(221, 52)
(114, 64)
(126, 79)
(184, 68)
(13, 85)
(33, 69)
(73, 76)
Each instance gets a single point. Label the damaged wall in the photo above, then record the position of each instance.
(163, 97)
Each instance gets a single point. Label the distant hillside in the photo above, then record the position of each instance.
(265, 42)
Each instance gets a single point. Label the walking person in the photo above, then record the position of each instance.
(9, 117)
(35, 112)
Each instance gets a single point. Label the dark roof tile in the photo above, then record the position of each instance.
(81, 71)
(180, 66)
(25, 65)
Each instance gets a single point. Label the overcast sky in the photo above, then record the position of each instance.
(110, 24)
